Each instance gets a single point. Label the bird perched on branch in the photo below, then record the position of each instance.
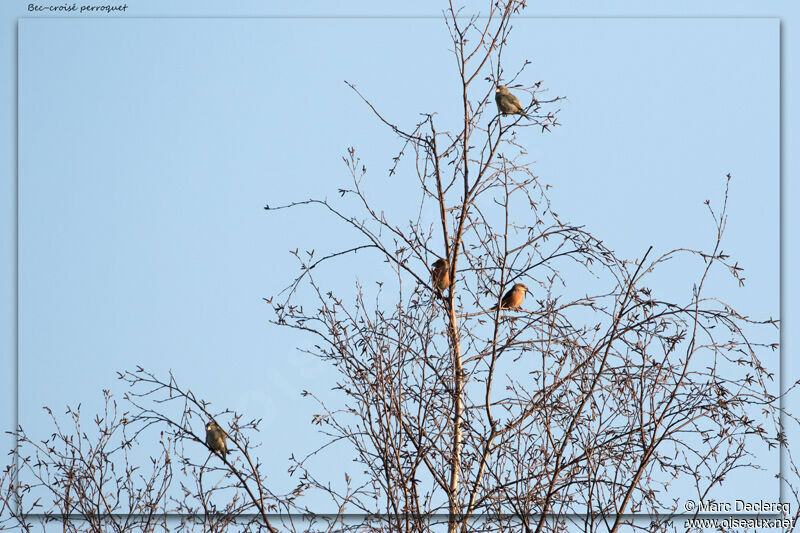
(507, 103)
(215, 438)
(441, 275)
(513, 298)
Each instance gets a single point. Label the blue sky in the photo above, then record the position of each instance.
(147, 148)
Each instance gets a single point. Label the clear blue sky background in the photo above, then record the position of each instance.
(148, 147)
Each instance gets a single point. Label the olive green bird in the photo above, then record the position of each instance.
(215, 438)
(507, 103)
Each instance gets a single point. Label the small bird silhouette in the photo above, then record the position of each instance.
(507, 103)
(215, 438)
(513, 298)
(441, 275)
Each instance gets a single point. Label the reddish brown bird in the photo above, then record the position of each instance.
(441, 275)
(513, 298)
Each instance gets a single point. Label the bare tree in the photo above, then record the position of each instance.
(107, 478)
(578, 407)
(86, 477)
(573, 411)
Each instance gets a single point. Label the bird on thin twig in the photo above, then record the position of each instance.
(513, 298)
(441, 275)
(215, 438)
(507, 103)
